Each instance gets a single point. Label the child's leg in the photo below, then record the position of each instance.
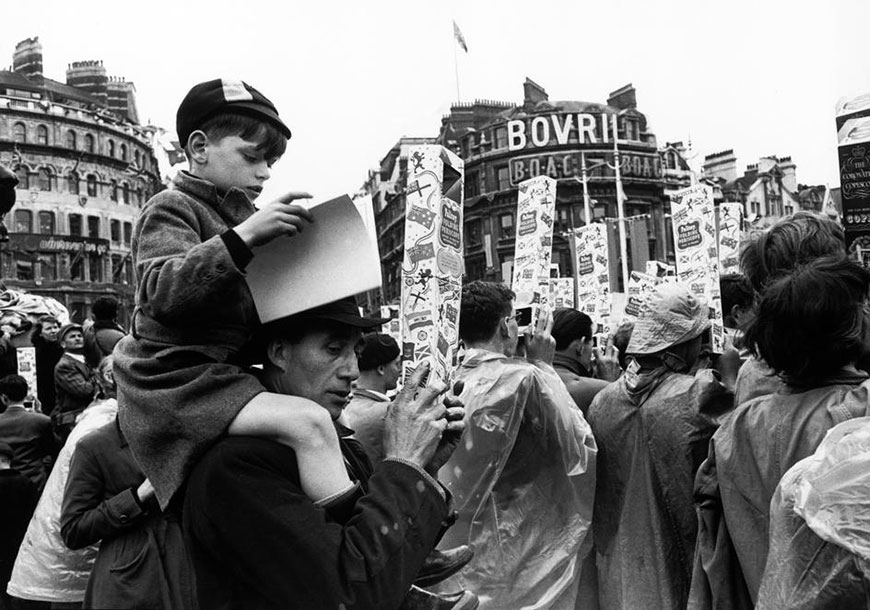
(307, 428)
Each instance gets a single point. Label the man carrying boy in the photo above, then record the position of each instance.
(180, 383)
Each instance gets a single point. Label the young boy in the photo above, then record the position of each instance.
(180, 385)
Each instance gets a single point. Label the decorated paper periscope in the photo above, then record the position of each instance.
(433, 264)
(534, 244)
(697, 258)
(730, 221)
(592, 274)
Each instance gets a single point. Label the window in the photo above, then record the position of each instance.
(23, 266)
(563, 218)
(123, 152)
(48, 266)
(473, 232)
(46, 223)
(75, 225)
(113, 189)
(23, 221)
(95, 266)
(117, 267)
(128, 233)
(77, 266)
(472, 184)
(42, 134)
(136, 158)
(92, 185)
(506, 224)
(19, 133)
(94, 226)
(44, 180)
(503, 177)
(71, 139)
(125, 190)
(89, 143)
(115, 230)
(73, 183)
(23, 177)
(501, 138)
(111, 148)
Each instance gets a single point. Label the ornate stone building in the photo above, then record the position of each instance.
(503, 143)
(85, 166)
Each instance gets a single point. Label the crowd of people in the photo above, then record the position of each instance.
(205, 460)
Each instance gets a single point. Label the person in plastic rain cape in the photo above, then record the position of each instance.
(523, 476)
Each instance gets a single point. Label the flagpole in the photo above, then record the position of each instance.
(620, 210)
(456, 65)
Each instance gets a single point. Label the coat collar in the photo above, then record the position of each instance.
(233, 205)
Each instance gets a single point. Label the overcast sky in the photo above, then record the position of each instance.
(350, 78)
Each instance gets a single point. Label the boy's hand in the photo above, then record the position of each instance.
(276, 218)
(541, 345)
(607, 362)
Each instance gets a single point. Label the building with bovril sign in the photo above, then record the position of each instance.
(504, 144)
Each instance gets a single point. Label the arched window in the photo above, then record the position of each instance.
(92, 185)
(125, 190)
(73, 183)
(111, 148)
(19, 132)
(46, 223)
(89, 143)
(42, 134)
(44, 179)
(123, 152)
(23, 177)
(23, 221)
(71, 139)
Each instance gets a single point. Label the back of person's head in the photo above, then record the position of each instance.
(568, 325)
(105, 308)
(792, 241)
(810, 322)
(484, 304)
(621, 339)
(14, 387)
(736, 292)
(106, 376)
(225, 107)
(377, 350)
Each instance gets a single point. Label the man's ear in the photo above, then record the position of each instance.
(381, 370)
(503, 330)
(197, 146)
(278, 353)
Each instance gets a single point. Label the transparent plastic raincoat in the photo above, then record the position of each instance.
(45, 570)
(820, 527)
(523, 482)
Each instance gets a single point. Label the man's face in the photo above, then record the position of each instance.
(73, 340)
(234, 162)
(49, 331)
(392, 372)
(322, 367)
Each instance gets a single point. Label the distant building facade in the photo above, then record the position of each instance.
(503, 144)
(85, 166)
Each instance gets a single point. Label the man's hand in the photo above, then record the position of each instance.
(276, 218)
(541, 345)
(607, 363)
(416, 420)
(453, 432)
(145, 491)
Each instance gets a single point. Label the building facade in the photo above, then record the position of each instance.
(85, 166)
(504, 143)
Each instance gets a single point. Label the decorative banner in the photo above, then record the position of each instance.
(433, 264)
(853, 147)
(640, 286)
(27, 367)
(561, 292)
(592, 274)
(697, 258)
(534, 243)
(730, 221)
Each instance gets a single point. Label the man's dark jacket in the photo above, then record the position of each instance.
(32, 440)
(75, 385)
(257, 541)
